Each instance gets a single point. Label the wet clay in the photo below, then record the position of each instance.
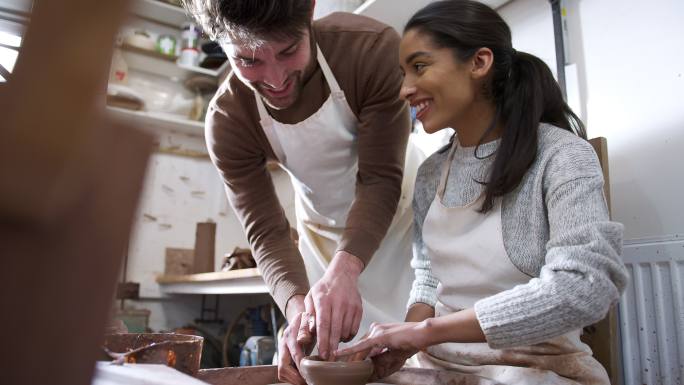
(319, 372)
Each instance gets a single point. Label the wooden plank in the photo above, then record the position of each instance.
(150, 53)
(255, 375)
(268, 374)
(600, 145)
(141, 374)
(205, 243)
(209, 277)
(602, 337)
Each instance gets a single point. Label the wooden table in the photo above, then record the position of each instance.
(265, 375)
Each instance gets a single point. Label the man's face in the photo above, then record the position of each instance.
(274, 70)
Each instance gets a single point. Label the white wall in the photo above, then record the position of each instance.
(632, 90)
(179, 192)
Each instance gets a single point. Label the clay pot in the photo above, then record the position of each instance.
(316, 371)
(179, 351)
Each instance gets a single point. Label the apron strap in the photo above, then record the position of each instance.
(327, 73)
(267, 121)
(335, 89)
(267, 124)
(445, 171)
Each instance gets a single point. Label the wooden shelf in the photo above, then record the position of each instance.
(160, 12)
(158, 64)
(158, 123)
(244, 281)
(150, 53)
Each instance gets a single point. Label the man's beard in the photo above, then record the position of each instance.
(281, 103)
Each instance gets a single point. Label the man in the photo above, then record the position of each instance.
(322, 99)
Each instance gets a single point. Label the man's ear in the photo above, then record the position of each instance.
(482, 61)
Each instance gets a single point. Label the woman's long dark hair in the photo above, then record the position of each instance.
(522, 86)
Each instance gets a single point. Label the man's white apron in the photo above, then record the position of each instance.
(468, 256)
(320, 155)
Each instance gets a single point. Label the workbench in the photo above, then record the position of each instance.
(268, 374)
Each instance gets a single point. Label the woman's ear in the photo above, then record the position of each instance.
(482, 62)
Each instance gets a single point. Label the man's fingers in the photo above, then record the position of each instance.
(296, 351)
(323, 329)
(311, 310)
(285, 368)
(356, 324)
(291, 376)
(337, 317)
(345, 331)
(304, 336)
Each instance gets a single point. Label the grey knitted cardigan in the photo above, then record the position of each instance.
(555, 229)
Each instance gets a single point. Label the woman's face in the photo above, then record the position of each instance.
(435, 83)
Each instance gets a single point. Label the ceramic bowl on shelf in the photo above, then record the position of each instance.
(140, 39)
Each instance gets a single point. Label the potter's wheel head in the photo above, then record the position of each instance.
(317, 371)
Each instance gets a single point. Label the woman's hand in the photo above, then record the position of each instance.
(389, 346)
(406, 336)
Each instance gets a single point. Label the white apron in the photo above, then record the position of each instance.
(320, 155)
(469, 259)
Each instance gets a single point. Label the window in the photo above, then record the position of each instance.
(14, 16)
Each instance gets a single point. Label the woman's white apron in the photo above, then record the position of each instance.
(468, 257)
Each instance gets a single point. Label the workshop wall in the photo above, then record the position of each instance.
(630, 85)
(179, 192)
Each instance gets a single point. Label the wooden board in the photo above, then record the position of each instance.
(268, 374)
(141, 374)
(209, 277)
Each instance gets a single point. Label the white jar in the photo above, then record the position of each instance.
(189, 57)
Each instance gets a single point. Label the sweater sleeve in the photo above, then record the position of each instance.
(241, 162)
(582, 275)
(424, 288)
(383, 132)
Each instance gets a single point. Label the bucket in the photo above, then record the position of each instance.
(179, 351)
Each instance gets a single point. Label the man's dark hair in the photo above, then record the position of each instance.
(251, 21)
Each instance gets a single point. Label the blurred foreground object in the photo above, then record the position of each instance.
(69, 183)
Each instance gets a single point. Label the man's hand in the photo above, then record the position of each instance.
(389, 362)
(335, 303)
(297, 341)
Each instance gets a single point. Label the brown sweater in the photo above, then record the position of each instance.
(363, 56)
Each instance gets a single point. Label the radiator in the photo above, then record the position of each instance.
(652, 312)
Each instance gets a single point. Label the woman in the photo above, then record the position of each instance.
(514, 250)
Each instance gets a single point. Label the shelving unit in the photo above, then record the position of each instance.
(160, 12)
(176, 134)
(158, 64)
(244, 281)
(158, 123)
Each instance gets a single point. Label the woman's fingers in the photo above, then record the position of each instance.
(365, 345)
(360, 356)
